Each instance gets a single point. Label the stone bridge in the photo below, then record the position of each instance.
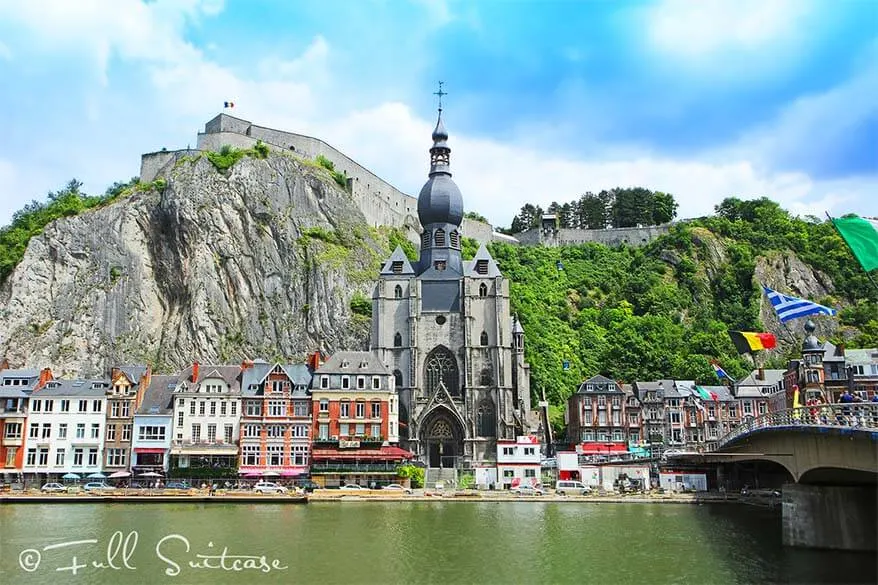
(826, 457)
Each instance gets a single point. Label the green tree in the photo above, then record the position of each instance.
(664, 207)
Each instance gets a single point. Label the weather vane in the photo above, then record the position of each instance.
(440, 93)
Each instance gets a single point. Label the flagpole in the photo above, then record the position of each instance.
(868, 274)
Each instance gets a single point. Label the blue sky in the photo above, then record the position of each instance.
(547, 100)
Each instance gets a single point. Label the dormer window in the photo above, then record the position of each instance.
(396, 267)
(364, 364)
(345, 363)
(482, 267)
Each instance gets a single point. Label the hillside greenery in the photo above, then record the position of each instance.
(656, 312)
(619, 207)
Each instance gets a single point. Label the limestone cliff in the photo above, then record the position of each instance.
(259, 260)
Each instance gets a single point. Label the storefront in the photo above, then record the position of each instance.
(337, 466)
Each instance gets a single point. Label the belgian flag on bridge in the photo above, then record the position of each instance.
(748, 341)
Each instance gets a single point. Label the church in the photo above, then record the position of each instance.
(443, 326)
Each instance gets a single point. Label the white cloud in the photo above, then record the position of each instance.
(183, 88)
(693, 28)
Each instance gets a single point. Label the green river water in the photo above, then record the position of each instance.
(410, 542)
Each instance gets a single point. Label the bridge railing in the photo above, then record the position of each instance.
(862, 415)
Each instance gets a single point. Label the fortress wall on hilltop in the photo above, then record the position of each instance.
(380, 202)
(633, 236)
(154, 163)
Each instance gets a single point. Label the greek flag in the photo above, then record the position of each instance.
(788, 308)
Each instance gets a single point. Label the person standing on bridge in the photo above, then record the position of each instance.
(846, 398)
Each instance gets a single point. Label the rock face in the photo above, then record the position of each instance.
(787, 273)
(260, 260)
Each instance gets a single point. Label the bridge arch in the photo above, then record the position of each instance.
(839, 476)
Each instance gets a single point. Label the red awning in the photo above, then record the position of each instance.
(149, 450)
(384, 453)
(596, 448)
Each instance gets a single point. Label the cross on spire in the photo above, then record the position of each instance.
(440, 93)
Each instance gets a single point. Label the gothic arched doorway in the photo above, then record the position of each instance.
(443, 439)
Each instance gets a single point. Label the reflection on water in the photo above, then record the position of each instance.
(420, 542)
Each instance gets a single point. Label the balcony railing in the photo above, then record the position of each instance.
(352, 467)
(859, 415)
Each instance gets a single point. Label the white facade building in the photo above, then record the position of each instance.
(518, 462)
(65, 428)
(206, 419)
(153, 429)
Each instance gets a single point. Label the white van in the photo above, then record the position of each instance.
(571, 487)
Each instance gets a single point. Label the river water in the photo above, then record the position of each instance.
(411, 542)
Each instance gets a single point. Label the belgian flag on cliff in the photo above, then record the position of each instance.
(748, 342)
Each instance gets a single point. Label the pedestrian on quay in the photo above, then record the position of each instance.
(846, 398)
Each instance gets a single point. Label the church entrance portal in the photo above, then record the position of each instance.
(442, 442)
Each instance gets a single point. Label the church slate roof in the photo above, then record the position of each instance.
(469, 266)
(398, 256)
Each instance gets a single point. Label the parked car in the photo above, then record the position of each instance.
(307, 485)
(96, 486)
(527, 490)
(352, 487)
(178, 485)
(395, 487)
(53, 488)
(267, 487)
(564, 487)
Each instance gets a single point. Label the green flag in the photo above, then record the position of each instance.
(862, 236)
(702, 392)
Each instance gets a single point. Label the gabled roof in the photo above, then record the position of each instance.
(255, 375)
(470, 266)
(600, 385)
(398, 256)
(772, 377)
(353, 363)
(157, 398)
(80, 388)
(134, 373)
(229, 374)
(659, 386)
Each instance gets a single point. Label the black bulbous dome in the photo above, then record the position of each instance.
(440, 201)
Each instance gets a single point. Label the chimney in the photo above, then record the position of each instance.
(246, 364)
(45, 378)
(761, 374)
(142, 386)
(194, 371)
(4, 364)
(114, 372)
(314, 360)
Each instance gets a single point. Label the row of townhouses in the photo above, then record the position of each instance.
(607, 418)
(252, 419)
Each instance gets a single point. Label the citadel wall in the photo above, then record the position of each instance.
(380, 202)
(633, 236)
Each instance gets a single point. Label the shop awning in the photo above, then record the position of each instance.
(149, 450)
(596, 448)
(382, 454)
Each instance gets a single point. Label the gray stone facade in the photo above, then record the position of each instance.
(443, 327)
